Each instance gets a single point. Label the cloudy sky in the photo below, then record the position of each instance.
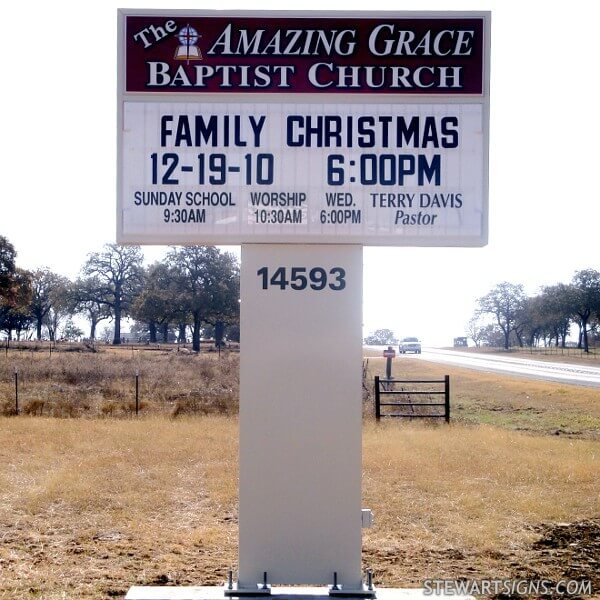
(59, 155)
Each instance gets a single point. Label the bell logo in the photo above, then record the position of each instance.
(188, 48)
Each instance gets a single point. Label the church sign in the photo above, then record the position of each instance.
(303, 136)
(308, 128)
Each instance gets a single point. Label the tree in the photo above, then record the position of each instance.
(586, 299)
(505, 302)
(47, 291)
(15, 292)
(118, 270)
(107, 333)
(7, 269)
(59, 306)
(522, 323)
(86, 298)
(157, 304)
(224, 306)
(381, 337)
(207, 285)
(492, 336)
(532, 323)
(233, 332)
(555, 306)
(71, 332)
(476, 329)
(15, 312)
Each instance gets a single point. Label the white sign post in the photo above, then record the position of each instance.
(300, 415)
(302, 136)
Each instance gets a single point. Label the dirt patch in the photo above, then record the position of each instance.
(561, 552)
(568, 551)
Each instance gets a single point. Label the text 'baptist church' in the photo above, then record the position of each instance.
(220, 54)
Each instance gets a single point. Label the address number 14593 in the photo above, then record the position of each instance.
(301, 278)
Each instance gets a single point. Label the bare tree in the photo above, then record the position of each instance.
(476, 329)
(46, 289)
(85, 298)
(59, 306)
(118, 270)
(506, 302)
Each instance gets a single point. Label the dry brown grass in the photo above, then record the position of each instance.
(90, 507)
(474, 488)
(87, 507)
(103, 384)
(178, 383)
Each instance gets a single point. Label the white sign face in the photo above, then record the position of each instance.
(371, 174)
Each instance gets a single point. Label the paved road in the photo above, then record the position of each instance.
(536, 369)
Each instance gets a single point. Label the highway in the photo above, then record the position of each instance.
(524, 367)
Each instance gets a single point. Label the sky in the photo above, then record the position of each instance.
(58, 155)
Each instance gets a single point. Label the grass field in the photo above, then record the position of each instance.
(92, 384)
(509, 402)
(91, 506)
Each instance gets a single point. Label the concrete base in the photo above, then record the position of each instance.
(278, 593)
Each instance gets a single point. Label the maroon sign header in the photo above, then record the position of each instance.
(206, 54)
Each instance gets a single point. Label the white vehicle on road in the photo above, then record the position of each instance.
(410, 344)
